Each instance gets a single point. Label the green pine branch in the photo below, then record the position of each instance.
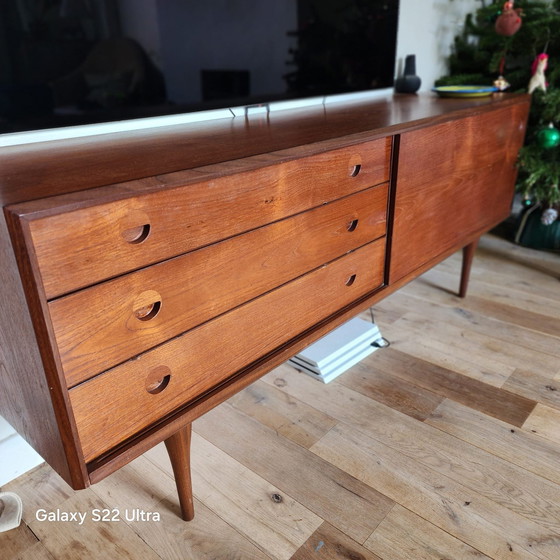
(478, 52)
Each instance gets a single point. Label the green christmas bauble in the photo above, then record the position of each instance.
(548, 137)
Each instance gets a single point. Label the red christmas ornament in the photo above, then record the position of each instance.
(509, 22)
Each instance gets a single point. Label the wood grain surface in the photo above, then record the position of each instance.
(328, 543)
(274, 520)
(357, 475)
(30, 379)
(88, 244)
(179, 451)
(417, 539)
(341, 500)
(116, 404)
(466, 186)
(109, 323)
(504, 405)
(45, 169)
(101, 194)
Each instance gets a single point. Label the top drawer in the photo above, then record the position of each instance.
(80, 244)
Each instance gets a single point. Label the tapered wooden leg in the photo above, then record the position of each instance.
(179, 450)
(468, 254)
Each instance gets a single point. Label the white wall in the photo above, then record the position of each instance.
(427, 29)
(16, 456)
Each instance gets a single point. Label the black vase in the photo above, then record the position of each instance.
(409, 82)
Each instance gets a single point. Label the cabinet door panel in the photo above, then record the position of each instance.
(454, 180)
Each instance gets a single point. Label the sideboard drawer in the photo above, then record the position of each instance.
(130, 397)
(78, 244)
(99, 327)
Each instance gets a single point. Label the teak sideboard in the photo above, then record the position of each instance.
(147, 276)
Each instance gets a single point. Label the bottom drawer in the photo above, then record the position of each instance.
(128, 398)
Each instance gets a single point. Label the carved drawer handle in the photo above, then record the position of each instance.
(148, 311)
(355, 170)
(352, 225)
(137, 234)
(350, 280)
(158, 379)
(147, 305)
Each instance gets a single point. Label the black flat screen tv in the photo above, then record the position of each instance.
(70, 62)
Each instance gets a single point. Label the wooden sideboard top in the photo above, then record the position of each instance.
(94, 171)
(37, 170)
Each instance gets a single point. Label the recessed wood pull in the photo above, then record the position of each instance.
(355, 170)
(136, 234)
(352, 225)
(147, 305)
(350, 280)
(148, 311)
(157, 380)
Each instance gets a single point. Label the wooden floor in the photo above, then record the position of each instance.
(444, 446)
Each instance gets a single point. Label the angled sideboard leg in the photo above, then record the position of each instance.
(468, 254)
(179, 450)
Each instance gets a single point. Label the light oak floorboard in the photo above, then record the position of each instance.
(521, 266)
(36, 552)
(516, 445)
(206, 537)
(390, 390)
(67, 540)
(346, 503)
(502, 311)
(287, 416)
(447, 352)
(448, 383)
(499, 267)
(145, 485)
(522, 297)
(534, 498)
(455, 311)
(476, 520)
(328, 543)
(16, 542)
(403, 535)
(271, 519)
(139, 484)
(544, 421)
(382, 313)
(507, 275)
(535, 384)
(489, 352)
(446, 449)
(39, 488)
(537, 322)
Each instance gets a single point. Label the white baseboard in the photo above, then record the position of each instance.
(16, 455)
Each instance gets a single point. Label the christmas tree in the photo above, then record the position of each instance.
(519, 41)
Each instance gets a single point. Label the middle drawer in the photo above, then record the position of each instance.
(139, 393)
(106, 324)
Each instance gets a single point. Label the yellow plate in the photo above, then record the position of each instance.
(465, 91)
